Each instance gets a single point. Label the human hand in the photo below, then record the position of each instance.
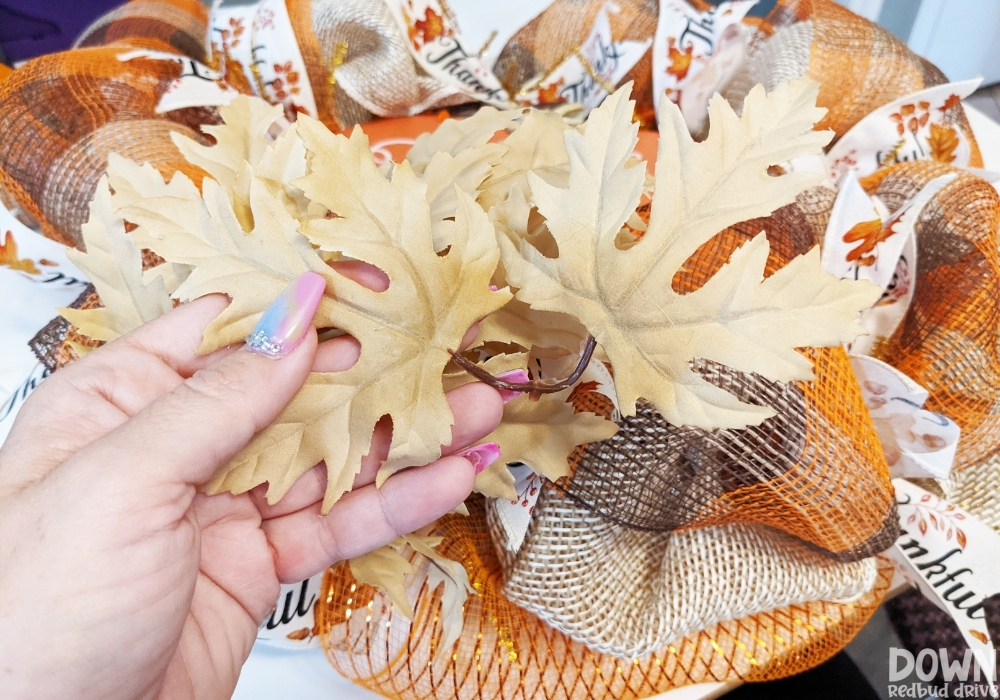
(118, 579)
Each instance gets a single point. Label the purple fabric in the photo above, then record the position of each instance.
(29, 28)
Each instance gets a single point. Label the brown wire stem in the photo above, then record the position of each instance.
(534, 386)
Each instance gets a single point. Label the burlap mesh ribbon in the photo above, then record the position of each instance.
(507, 653)
(629, 593)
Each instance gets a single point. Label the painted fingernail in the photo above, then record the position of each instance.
(285, 322)
(481, 456)
(515, 376)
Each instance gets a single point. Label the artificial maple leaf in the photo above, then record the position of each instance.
(240, 142)
(680, 61)
(405, 332)
(535, 146)
(444, 173)
(496, 481)
(431, 26)
(519, 324)
(870, 234)
(9, 258)
(943, 141)
(442, 571)
(624, 297)
(253, 268)
(386, 569)
(543, 433)
(113, 262)
(241, 138)
(454, 136)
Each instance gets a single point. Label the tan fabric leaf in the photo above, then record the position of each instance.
(242, 138)
(405, 332)
(253, 268)
(113, 262)
(496, 481)
(457, 135)
(444, 173)
(624, 297)
(536, 146)
(386, 569)
(522, 325)
(442, 571)
(132, 182)
(542, 433)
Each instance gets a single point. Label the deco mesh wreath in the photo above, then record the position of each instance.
(711, 489)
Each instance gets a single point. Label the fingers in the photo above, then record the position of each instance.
(305, 542)
(477, 409)
(203, 422)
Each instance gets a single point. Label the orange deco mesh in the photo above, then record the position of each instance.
(506, 653)
(175, 26)
(62, 114)
(947, 341)
(815, 470)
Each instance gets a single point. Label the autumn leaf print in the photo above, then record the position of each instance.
(8, 256)
(943, 141)
(870, 234)
(680, 61)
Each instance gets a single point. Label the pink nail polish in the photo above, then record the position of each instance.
(481, 456)
(515, 376)
(285, 322)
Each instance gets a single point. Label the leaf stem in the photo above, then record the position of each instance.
(534, 386)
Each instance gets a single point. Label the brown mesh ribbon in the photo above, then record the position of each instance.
(506, 653)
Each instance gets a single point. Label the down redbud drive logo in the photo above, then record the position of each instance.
(921, 676)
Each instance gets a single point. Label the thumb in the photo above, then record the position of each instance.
(186, 434)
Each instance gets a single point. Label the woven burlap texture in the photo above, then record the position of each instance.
(815, 470)
(948, 340)
(629, 593)
(507, 653)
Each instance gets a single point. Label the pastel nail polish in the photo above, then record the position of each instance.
(285, 322)
(515, 376)
(481, 456)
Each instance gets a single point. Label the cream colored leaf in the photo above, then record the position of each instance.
(536, 146)
(405, 332)
(543, 433)
(496, 481)
(386, 569)
(450, 574)
(242, 138)
(253, 268)
(282, 163)
(113, 262)
(454, 136)
(466, 170)
(522, 325)
(624, 297)
(132, 183)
